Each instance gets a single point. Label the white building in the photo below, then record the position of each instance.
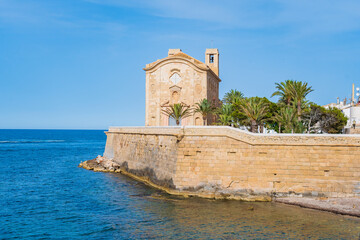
(351, 109)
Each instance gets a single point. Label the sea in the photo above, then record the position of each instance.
(44, 195)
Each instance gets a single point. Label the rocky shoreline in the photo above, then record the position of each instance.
(345, 206)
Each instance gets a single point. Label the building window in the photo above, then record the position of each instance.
(175, 97)
(175, 78)
(211, 58)
(198, 121)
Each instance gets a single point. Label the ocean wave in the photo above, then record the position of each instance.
(32, 141)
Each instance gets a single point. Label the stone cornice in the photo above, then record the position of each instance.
(158, 63)
(246, 137)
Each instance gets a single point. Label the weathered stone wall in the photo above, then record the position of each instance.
(212, 95)
(145, 155)
(227, 162)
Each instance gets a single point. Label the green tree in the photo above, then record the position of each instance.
(319, 119)
(225, 115)
(177, 112)
(286, 119)
(237, 115)
(240, 118)
(255, 110)
(279, 119)
(311, 116)
(225, 120)
(299, 91)
(232, 96)
(204, 108)
(333, 120)
(272, 109)
(284, 91)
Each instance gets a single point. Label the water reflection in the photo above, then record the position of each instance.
(166, 216)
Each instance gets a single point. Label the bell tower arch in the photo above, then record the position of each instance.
(212, 59)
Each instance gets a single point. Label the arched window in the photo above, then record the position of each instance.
(198, 121)
(211, 58)
(175, 97)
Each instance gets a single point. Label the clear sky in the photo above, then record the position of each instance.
(78, 63)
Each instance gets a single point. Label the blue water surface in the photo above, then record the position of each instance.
(44, 195)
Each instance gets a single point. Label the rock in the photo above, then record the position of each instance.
(100, 164)
(99, 159)
(99, 169)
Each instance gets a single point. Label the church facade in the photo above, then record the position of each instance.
(180, 78)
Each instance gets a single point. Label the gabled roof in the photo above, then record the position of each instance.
(180, 55)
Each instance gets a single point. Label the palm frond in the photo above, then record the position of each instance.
(177, 112)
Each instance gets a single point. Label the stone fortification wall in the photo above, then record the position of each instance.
(145, 155)
(224, 162)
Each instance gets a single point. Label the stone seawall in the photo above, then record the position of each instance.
(223, 162)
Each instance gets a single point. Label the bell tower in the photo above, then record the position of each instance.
(212, 59)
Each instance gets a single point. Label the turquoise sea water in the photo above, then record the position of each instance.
(44, 195)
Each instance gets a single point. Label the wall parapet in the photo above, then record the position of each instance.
(245, 136)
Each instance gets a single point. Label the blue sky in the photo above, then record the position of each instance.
(78, 63)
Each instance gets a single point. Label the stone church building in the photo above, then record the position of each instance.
(180, 78)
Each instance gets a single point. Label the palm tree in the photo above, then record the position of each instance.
(205, 108)
(286, 117)
(299, 92)
(233, 95)
(285, 91)
(255, 109)
(279, 119)
(225, 120)
(225, 115)
(177, 112)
